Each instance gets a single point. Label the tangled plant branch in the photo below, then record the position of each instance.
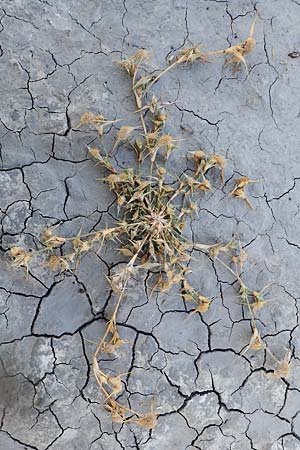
(153, 211)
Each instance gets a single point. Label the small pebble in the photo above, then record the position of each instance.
(294, 55)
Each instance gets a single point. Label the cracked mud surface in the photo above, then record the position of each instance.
(57, 60)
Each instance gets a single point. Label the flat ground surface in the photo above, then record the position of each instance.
(57, 60)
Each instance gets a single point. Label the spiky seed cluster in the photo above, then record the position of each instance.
(190, 55)
(239, 190)
(20, 257)
(98, 121)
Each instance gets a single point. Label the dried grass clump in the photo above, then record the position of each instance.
(153, 212)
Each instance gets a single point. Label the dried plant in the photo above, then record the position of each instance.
(239, 190)
(20, 257)
(190, 294)
(283, 368)
(256, 343)
(153, 211)
(236, 53)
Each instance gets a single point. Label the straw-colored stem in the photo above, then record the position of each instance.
(166, 70)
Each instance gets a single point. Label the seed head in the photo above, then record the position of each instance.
(284, 367)
(50, 240)
(239, 189)
(256, 342)
(148, 421)
(190, 55)
(20, 257)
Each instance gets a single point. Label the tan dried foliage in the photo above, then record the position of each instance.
(239, 190)
(20, 257)
(154, 210)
